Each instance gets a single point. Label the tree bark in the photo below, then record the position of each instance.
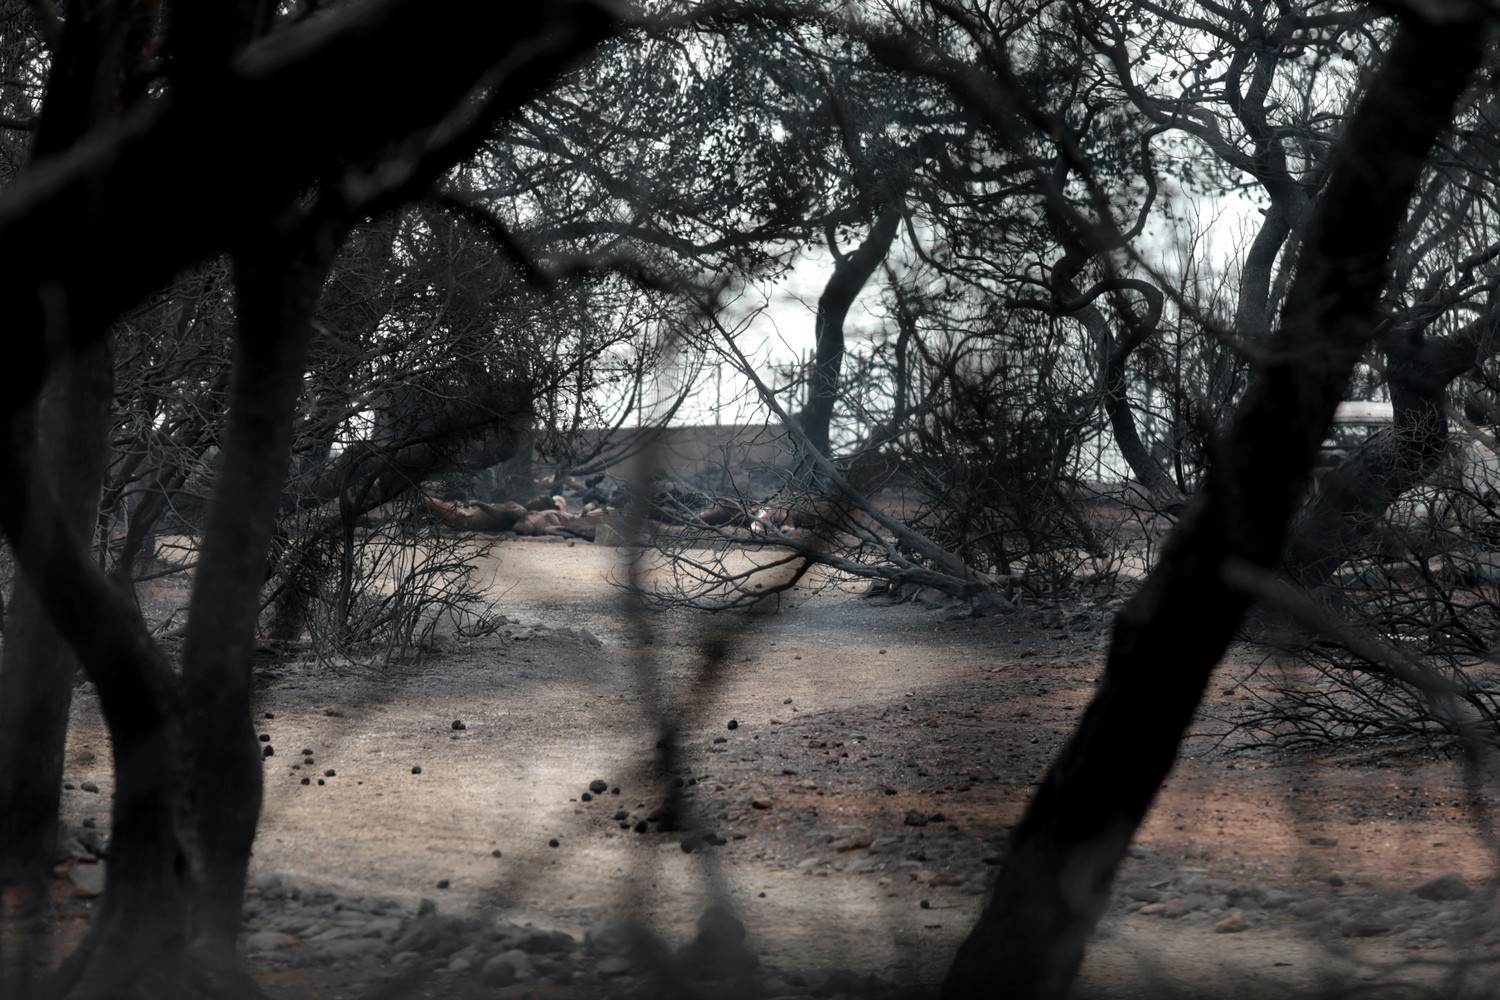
(1345, 517)
(1063, 855)
(38, 670)
(138, 932)
(70, 419)
(850, 274)
(276, 289)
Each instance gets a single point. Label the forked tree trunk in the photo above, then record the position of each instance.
(1063, 855)
(850, 274)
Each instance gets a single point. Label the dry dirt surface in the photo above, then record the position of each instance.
(823, 821)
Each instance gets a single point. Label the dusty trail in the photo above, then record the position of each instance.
(877, 756)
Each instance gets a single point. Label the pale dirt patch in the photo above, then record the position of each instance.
(850, 718)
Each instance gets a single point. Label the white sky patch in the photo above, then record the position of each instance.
(779, 339)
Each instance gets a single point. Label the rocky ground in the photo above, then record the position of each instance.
(507, 819)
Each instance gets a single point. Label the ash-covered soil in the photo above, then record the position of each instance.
(589, 802)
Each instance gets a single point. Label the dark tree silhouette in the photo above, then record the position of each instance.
(1064, 853)
(104, 215)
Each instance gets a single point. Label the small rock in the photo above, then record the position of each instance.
(607, 936)
(734, 724)
(1232, 924)
(88, 880)
(89, 786)
(519, 962)
(1367, 926)
(497, 973)
(354, 948)
(540, 942)
(1310, 908)
(458, 724)
(614, 965)
(267, 941)
(718, 951)
(1323, 841)
(915, 818)
(416, 769)
(598, 786)
(1448, 886)
(268, 886)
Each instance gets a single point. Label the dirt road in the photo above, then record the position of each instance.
(840, 775)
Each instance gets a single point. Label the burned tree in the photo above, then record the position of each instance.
(72, 223)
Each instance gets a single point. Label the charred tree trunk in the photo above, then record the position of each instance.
(1063, 855)
(850, 274)
(39, 668)
(36, 676)
(70, 421)
(139, 932)
(276, 289)
(1345, 517)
